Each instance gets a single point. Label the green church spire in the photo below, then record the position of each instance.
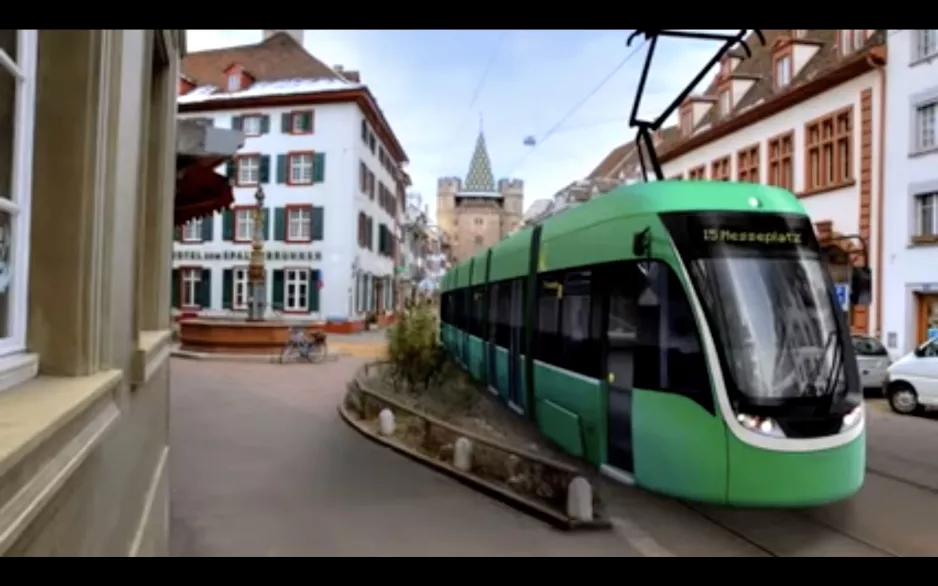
(480, 178)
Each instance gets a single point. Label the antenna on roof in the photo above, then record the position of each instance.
(644, 136)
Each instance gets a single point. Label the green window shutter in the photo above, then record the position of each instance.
(308, 121)
(177, 233)
(230, 170)
(313, 301)
(317, 221)
(174, 284)
(264, 170)
(280, 224)
(237, 122)
(205, 289)
(207, 227)
(265, 124)
(319, 167)
(285, 123)
(227, 224)
(277, 288)
(265, 224)
(282, 164)
(227, 291)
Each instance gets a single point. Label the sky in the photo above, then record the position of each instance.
(437, 88)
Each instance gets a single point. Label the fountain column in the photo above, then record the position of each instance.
(257, 273)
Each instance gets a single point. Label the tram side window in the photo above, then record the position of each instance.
(516, 314)
(503, 333)
(547, 345)
(459, 311)
(446, 307)
(478, 311)
(580, 315)
(493, 316)
(677, 353)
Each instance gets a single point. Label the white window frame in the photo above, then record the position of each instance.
(296, 123)
(299, 224)
(189, 279)
(926, 126)
(783, 72)
(251, 125)
(17, 207)
(248, 170)
(239, 287)
(799, 33)
(234, 82)
(931, 197)
(192, 230)
(301, 168)
(925, 44)
(244, 224)
(299, 279)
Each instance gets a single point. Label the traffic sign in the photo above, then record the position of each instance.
(842, 290)
(932, 333)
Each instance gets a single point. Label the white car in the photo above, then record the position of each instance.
(912, 381)
(873, 362)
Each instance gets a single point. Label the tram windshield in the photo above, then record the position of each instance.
(768, 299)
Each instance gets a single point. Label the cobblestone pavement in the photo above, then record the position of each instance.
(261, 465)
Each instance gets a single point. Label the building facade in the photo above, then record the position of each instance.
(86, 210)
(331, 170)
(475, 213)
(910, 267)
(805, 112)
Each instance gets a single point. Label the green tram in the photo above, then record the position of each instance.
(682, 336)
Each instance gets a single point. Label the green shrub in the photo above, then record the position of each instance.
(415, 358)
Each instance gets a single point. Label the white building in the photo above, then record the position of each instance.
(331, 170)
(805, 113)
(910, 268)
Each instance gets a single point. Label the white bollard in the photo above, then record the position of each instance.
(580, 499)
(386, 422)
(462, 454)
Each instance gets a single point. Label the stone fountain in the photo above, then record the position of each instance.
(260, 332)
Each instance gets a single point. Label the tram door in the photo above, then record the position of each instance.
(622, 336)
(515, 320)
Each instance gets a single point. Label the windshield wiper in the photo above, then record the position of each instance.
(832, 381)
(811, 389)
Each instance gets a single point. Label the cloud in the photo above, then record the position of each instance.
(425, 81)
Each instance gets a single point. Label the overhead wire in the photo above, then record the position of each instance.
(478, 89)
(559, 124)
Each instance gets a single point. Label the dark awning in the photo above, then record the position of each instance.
(200, 148)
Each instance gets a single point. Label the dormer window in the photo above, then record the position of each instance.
(234, 81)
(783, 71)
(851, 40)
(687, 122)
(726, 102)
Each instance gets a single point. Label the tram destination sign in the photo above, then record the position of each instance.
(742, 234)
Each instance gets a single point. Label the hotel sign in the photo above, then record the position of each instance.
(245, 255)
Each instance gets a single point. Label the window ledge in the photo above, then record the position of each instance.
(152, 351)
(17, 369)
(922, 241)
(30, 415)
(922, 152)
(827, 188)
(925, 59)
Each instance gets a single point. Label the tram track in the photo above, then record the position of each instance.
(787, 533)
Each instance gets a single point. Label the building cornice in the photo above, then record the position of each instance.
(851, 67)
(360, 96)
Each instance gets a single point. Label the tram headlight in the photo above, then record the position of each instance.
(852, 418)
(761, 425)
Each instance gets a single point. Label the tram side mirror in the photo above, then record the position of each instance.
(920, 351)
(861, 286)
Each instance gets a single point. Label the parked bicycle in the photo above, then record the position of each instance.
(301, 344)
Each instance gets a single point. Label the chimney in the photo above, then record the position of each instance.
(297, 35)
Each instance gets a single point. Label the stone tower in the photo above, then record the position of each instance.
(477, 213)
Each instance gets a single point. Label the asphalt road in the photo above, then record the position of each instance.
(262, 466)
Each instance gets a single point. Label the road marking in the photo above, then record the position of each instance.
(638, 538)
